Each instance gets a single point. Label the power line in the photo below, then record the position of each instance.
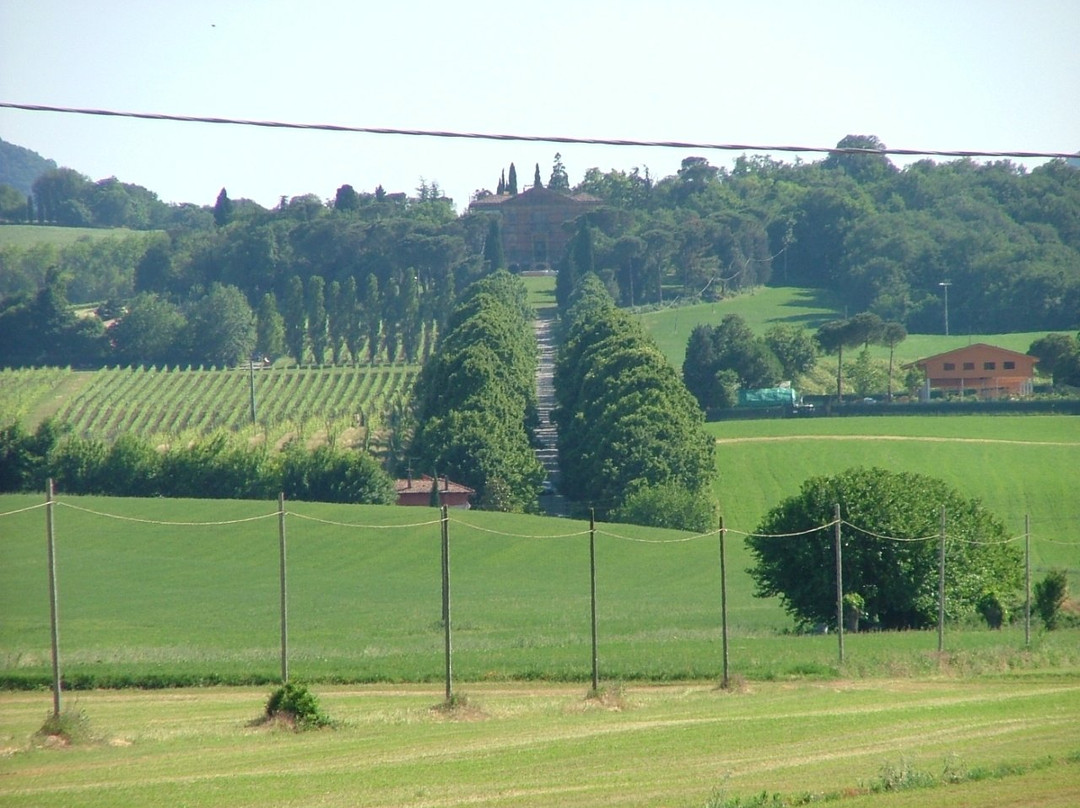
(434, 133)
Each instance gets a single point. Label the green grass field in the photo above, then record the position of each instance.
(28, 235)
(188, 603)
(996, 742)
(767, 306)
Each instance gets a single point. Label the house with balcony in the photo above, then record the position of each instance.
(985, 370)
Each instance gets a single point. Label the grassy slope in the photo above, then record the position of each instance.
(528, 746)
(26, 235)
(810, 308)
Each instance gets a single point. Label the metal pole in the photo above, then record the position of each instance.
(723, 602)
(592, 598)
(941, 586)
(284, 592)
(251, 385)
(446, 602)
(1027, 579)
(839, 581)
(54, 613)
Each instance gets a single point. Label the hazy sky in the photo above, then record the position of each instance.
(940, 74)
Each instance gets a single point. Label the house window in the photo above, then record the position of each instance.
(950, 366)
(989, 365)
(1010, 366)
(969, 366)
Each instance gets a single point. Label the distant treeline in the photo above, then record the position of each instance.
(216, 466)
(1004, 239)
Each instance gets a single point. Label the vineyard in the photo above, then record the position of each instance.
(343, 405)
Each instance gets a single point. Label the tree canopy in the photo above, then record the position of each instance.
(891, 522)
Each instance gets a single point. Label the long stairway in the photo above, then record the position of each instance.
(547, 435)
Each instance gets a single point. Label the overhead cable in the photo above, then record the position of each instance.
(669, 144)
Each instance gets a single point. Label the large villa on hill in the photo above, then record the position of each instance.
(533, 223)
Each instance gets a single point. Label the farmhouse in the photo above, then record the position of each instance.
(989, 371)
(419, 492)
(532, 223)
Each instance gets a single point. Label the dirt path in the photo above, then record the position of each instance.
(70, 387)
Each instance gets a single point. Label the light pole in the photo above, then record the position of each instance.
(945, 285)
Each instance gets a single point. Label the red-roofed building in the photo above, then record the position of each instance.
(418, 491)
(989, 371)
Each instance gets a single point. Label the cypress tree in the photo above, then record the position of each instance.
(511, 186)
(537, 182)
(494, 258)
(223, 209)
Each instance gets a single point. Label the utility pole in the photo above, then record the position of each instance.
(945, 285)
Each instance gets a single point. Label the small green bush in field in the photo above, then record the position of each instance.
(296, 705)
(1050, 595)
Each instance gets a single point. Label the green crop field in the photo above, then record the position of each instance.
(168, 404)
(768, 306)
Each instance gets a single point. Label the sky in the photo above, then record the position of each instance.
(995, 75)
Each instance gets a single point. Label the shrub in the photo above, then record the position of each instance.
(1050, 594)
(991, 608)
(296, 705)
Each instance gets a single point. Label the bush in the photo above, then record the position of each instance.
(1050, 594)
(991, 608)
(297, 706)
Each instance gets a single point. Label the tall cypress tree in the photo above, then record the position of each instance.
(537, 182)
(511, 185)
(317, 318)
(494, 257)
(295, 317)
(223, 209)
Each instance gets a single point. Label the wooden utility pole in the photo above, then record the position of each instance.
(839, 581)
(592, 598)
(723, 604)
(284, 595)
(941, 586)
(54, 610)
(446, 604)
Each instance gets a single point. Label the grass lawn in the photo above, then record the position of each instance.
(998, 742)
(772, 305)
(28, 235)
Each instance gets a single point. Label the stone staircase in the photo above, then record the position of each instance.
(547, 435)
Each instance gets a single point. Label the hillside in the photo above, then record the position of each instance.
(19, 167)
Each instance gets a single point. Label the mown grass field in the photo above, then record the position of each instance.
(1001, 742)
(768, 306)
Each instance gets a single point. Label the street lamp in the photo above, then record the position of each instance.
(945, 285)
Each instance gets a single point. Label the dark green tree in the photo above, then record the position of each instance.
(315, 304)
(223, 209)
(221, 327)
(1050, 595)
(149, 332)
(537, 182)
(512, 181)
(889, 549)
(294, 314)
(558, 181)
(269, 328)
(494, 257)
